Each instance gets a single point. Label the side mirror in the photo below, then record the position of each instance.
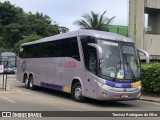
(146, 54)
(98, 48)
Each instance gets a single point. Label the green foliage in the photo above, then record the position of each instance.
(12, 33)
(10, 23)
(151, 77)
(40, 24)
(9, 13)
(30, 38)
(62, 29)
(94, 21)
(15, 24)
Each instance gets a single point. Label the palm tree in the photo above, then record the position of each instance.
(94, 21)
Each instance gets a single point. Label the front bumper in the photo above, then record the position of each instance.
(109, 93)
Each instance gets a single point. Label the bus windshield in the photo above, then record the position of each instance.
(120, 61)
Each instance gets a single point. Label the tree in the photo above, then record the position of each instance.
(15, 24)
(11, 20)
(94, 21)
(40, 24)
(61, 29)
(10, 14)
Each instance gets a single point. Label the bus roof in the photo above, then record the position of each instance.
(93, 33)
(7, 54)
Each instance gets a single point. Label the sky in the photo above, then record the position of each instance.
(65, 12)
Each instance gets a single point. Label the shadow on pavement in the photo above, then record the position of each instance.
(98, 103)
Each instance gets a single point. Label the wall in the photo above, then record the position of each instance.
(136, 22)
(152, 44)
(137, 9)
(152, 3)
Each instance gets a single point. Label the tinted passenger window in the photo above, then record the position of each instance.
(92, 61)
(69, 48)
(87, 49)
(59, 48)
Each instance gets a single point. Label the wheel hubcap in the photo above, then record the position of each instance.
(78, 92)
(26, 82)
(31, 84)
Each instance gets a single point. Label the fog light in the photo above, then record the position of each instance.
(105, 95)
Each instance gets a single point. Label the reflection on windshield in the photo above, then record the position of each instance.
(131, 64)
(120, 61)
(111, 58)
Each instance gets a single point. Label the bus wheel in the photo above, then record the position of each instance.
(26, 82)
(77, 92)
(31, 85)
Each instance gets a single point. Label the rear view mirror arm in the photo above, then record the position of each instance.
(146, 54)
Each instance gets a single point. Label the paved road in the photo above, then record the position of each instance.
(18, 98)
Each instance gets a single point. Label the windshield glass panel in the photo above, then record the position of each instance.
(131, 62)
(111, 58)
(120, 61)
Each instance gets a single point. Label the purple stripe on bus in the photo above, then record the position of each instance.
(52, 86)
(118, 85)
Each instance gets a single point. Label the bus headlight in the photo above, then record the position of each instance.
(139, 87)
(99, 83)
(104, 86)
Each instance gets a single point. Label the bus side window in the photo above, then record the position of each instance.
(92, 61)
(85, 48)
(70, 48)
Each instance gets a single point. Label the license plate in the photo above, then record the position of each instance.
(124, 96)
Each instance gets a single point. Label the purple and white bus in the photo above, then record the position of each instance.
(85, 63)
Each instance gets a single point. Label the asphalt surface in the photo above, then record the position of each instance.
(18, 98)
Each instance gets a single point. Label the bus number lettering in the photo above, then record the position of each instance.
(118, 85)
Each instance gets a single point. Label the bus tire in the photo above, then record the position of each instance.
(31, 83)
(77, 92)
(26, 82)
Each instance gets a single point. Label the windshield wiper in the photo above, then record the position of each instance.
(131, 71)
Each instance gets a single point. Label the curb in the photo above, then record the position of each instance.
(150, 100)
